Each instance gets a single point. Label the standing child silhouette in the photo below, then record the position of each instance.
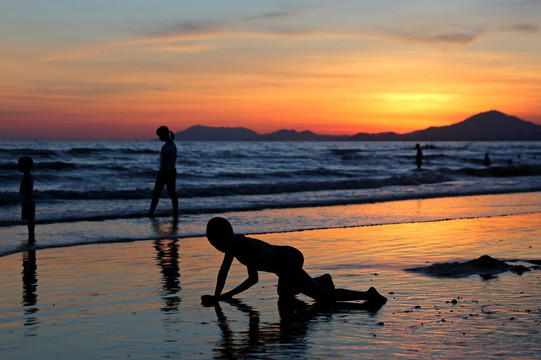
(28, 206)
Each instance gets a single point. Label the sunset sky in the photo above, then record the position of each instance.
(119, 69)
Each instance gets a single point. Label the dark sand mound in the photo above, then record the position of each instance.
(484, 266)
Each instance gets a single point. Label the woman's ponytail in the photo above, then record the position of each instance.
(171, 135)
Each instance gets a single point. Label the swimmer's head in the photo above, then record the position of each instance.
(219, 231)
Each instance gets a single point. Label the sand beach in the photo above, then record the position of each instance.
(141, 299)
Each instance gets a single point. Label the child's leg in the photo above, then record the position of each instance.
(325, 280)
(28, 215)
(372, 295)
(298, 281)
(31, 227)
(288, 287)
(312, 288)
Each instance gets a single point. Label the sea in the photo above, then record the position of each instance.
(103, 280)
(96, 183)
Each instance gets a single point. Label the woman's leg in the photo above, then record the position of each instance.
(172, 191)
(158, 187)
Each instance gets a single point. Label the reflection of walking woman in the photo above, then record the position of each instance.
(167, 175)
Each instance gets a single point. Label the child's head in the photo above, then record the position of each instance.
(25, 164)
(219, 231)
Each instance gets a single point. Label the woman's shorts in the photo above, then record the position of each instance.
(165, 178)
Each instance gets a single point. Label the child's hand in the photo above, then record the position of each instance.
(208, 300)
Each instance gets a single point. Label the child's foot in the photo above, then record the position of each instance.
(375, 297)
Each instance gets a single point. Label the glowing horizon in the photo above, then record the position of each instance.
(105, 71)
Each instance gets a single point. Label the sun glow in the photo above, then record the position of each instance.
(270, 69)
(414, 102)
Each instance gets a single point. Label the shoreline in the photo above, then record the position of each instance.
(274, 220)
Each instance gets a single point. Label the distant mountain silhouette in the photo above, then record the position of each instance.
(207, 133)
(384, 136)
(292, 135)
(487, 126)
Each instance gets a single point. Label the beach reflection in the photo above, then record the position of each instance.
(30, 296)
(290, 335)
(165, 228)
(167, 256)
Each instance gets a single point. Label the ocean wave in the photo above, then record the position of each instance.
(18, 152)
(504, 171)
(85, 151)
(9, 166)
(248, 188)
(350, 154)
(100, 210)
(319, 173)
(55, 165)
(299, 181)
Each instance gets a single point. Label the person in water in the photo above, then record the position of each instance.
(486, 160)
(419, 157)
(167, 174)
(28, 206)
(284, 261)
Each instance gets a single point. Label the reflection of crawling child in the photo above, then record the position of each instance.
(284, 261)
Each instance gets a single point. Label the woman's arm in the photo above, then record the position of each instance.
(164, 158)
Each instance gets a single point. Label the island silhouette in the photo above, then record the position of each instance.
(486, 126)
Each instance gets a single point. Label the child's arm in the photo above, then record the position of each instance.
(208, 300)
(222, 274)
(253, 278)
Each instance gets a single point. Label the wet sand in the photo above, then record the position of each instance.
(272, 220)
(141, 300)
